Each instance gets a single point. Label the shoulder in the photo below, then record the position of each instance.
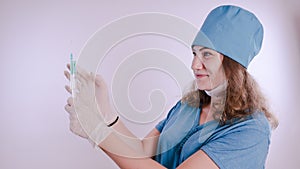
(244, 142)
(254, 122)
(245, 131)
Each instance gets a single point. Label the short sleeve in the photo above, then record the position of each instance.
(162, 123)
(245, 145)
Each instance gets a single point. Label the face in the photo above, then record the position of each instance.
(207, 68)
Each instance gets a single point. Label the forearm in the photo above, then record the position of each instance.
(119, 137)
(134, 163)
(125, 156)
(140, 148)
(128, 151)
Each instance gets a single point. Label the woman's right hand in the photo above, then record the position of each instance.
(75, 126)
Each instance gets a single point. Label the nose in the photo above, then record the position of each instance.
(197, 63)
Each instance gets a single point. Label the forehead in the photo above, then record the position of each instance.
(200, 48)
(197, 48)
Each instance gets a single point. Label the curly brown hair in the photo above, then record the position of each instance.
(243, 95)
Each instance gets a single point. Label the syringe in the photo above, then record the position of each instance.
(72, 74)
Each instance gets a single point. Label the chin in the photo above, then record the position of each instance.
(203, 86)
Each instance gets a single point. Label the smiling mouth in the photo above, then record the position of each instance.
(200, 76)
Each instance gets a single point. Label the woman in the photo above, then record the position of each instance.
(223, 122)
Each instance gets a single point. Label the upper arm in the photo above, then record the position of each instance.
(199, 160)
(150, 142)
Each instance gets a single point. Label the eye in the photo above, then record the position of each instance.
(206, 54)
(194, 54)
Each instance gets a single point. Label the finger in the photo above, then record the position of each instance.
(78, 85)
(68, 66)
(68, 108)
(80, 78)
(67, 74)
(99, 81)
(70, 101)
(83, 74)
(76, 90)
(68, 89)
(81, 81)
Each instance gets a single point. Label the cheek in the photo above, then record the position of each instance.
(220, 75)
(216, 71)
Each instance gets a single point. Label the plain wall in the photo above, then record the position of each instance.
(36, 38)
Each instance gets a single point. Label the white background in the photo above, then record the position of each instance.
(36, 38)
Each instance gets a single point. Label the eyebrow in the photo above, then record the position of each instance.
(201, 49)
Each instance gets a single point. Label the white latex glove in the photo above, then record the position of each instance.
(75, 126)
(103, 102)
(90, 116)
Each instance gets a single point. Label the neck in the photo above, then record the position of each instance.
(218, 98)
(218, 91)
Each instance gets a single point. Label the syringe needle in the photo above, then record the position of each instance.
(72, 74)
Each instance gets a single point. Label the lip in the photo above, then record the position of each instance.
(200, 76)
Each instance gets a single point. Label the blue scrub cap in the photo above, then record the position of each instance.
(232, 31)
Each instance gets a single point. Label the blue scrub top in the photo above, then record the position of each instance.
(241, 144)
